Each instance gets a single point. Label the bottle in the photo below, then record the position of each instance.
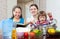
(14, 36)
(44, 30)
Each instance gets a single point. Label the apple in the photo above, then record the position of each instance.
(37, 32)
(26, 35)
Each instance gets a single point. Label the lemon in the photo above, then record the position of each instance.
(51, 31)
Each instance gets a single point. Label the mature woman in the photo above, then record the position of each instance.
(7, 25)
(34, 13)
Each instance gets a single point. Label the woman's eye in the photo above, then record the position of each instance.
(31, 9)
(15, 12)
(34, 8)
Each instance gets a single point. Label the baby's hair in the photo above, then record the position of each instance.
(42, 13)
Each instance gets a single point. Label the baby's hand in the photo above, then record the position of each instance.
(50, 16)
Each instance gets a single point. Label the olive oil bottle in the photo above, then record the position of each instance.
(14, 36)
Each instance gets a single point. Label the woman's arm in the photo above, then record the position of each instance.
(29, 21)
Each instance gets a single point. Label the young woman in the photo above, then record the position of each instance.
(7, 25)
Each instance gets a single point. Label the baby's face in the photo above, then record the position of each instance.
(42, 18)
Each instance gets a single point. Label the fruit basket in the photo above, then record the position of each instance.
(22, 32)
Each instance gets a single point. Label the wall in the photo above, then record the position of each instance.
(42, 5)
(3, 10)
